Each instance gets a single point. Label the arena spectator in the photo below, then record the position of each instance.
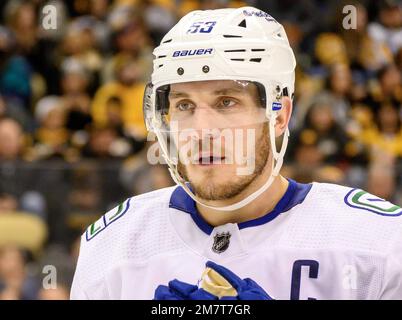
(365, 54)
(129, 90)
(15, 284)
(385, 135)
(11, 139)
(51, 137)
(386, 88)
(388, 28)
(15, 76)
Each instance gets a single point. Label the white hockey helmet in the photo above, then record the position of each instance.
(244, 44)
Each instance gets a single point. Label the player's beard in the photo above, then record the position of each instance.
(211, 189)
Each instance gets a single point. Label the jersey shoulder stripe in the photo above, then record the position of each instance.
(339, 217)
(113, 215)
(133, 204)
(360, 199)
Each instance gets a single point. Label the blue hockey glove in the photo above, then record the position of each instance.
(242, 289)
(178, 290)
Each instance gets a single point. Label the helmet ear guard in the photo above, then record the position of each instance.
(162, 101)
(155, 104)
(148, 107)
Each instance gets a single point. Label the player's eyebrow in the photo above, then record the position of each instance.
(219, 92)
(227, 91)
(178, 94)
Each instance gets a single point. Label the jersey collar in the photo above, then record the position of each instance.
(295, 194)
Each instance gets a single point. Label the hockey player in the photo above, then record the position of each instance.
(233, 227)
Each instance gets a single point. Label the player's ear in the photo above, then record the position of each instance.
(283, 117)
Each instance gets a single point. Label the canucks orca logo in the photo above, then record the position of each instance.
(360, 199)
(221, 242)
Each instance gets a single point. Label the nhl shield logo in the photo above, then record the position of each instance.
(221, 242)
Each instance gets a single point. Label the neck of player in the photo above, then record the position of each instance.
(262, 205)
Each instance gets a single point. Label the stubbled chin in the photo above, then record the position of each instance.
(208, 189)
(214, 172)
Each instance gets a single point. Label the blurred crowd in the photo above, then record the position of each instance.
(72, 138)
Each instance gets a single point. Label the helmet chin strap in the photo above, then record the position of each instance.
(276, 156)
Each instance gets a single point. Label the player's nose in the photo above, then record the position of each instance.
(204, 118)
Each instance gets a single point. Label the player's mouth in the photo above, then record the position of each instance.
(210, 160)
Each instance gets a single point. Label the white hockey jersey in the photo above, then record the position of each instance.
(321, 241)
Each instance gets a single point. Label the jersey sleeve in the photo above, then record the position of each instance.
(88, 283)
(392, 285)
(98, 244)
(77, 292)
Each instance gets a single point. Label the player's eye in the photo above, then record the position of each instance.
(227, 103)
(184, 106)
